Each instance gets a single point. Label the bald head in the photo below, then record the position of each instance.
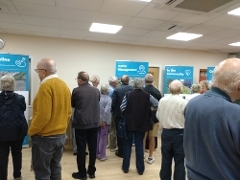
(48, 64)
(149, 79)
(175, 87)
(226, 76)
(125, 79)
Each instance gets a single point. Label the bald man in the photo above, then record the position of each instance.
(212, 127)
(51, 115)
(171, 119)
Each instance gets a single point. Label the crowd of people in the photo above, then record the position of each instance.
(200, 133)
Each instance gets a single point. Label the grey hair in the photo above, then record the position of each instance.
(175, 87)
(94, 78)
(226, 75)
(112, 79)
(138, 83)
(7, 83)
(206, 83)
(104, 89)
(49, 65)
(196, 88)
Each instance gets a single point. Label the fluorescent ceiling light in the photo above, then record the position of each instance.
(105, 28)
(235, 12)
(235, 44)
(181, 36)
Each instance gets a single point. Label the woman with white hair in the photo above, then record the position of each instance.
(105, 120)
(13, 127)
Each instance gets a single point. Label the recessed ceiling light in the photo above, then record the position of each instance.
(235, 44)
(235, 12)
(105, 28)
(181, 36)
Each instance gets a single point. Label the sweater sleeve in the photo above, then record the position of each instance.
(43, 109)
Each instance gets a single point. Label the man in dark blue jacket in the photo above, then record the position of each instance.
(117, 98)
(212, 127)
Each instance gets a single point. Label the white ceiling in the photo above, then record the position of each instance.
(143, 23)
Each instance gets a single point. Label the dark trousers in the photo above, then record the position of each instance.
(172, 148)
(120, 142)
(16, 150)
(138, 148)
(89, 137)
(46, 156)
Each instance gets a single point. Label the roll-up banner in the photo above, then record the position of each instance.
(17, 66)
(182, 73)
(134, 69)
(209, 74)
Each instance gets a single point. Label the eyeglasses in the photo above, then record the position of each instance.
(37, 70)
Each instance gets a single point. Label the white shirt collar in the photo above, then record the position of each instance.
(49, 77)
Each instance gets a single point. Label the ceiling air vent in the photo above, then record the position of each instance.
(197, 6)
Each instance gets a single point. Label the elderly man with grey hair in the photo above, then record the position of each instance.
(136, 106)
(212, 127)
(170, 115)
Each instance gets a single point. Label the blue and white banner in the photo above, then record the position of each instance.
(17, 66)
(209, 73)
(131, 68)
(182, 73)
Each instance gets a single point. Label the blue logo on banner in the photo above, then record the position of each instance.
(182, 73)
(209, 73)
(131, 68)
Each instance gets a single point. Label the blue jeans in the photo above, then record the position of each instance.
(138, 148)
(172, 147)
(16, 150)
(46, 156)
(89, 137)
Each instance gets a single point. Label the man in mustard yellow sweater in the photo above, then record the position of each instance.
(51, 115)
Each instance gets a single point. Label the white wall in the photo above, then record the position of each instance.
(99, 58)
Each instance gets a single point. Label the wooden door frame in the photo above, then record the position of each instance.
(160, 80)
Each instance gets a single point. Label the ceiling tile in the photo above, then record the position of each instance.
(76, 15)
(133, 31)
(73, 32)
(71, 36)
(42, 2)
(40, 21)
(11, 18)
(223, 21)
(124, 37)
(112, 19)
(124, 7)
(19, 32)
(159, 34)
(13, 26)
(90, 38)
(91, 5)
(201, 29)
(225, 33)
(144, 23)
(67, 24)
(42, 29)
(36, 10)
(46, 34)
(147, 39)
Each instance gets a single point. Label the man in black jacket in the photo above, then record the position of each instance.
(152, 134)
(85, 100)
(117, 98)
